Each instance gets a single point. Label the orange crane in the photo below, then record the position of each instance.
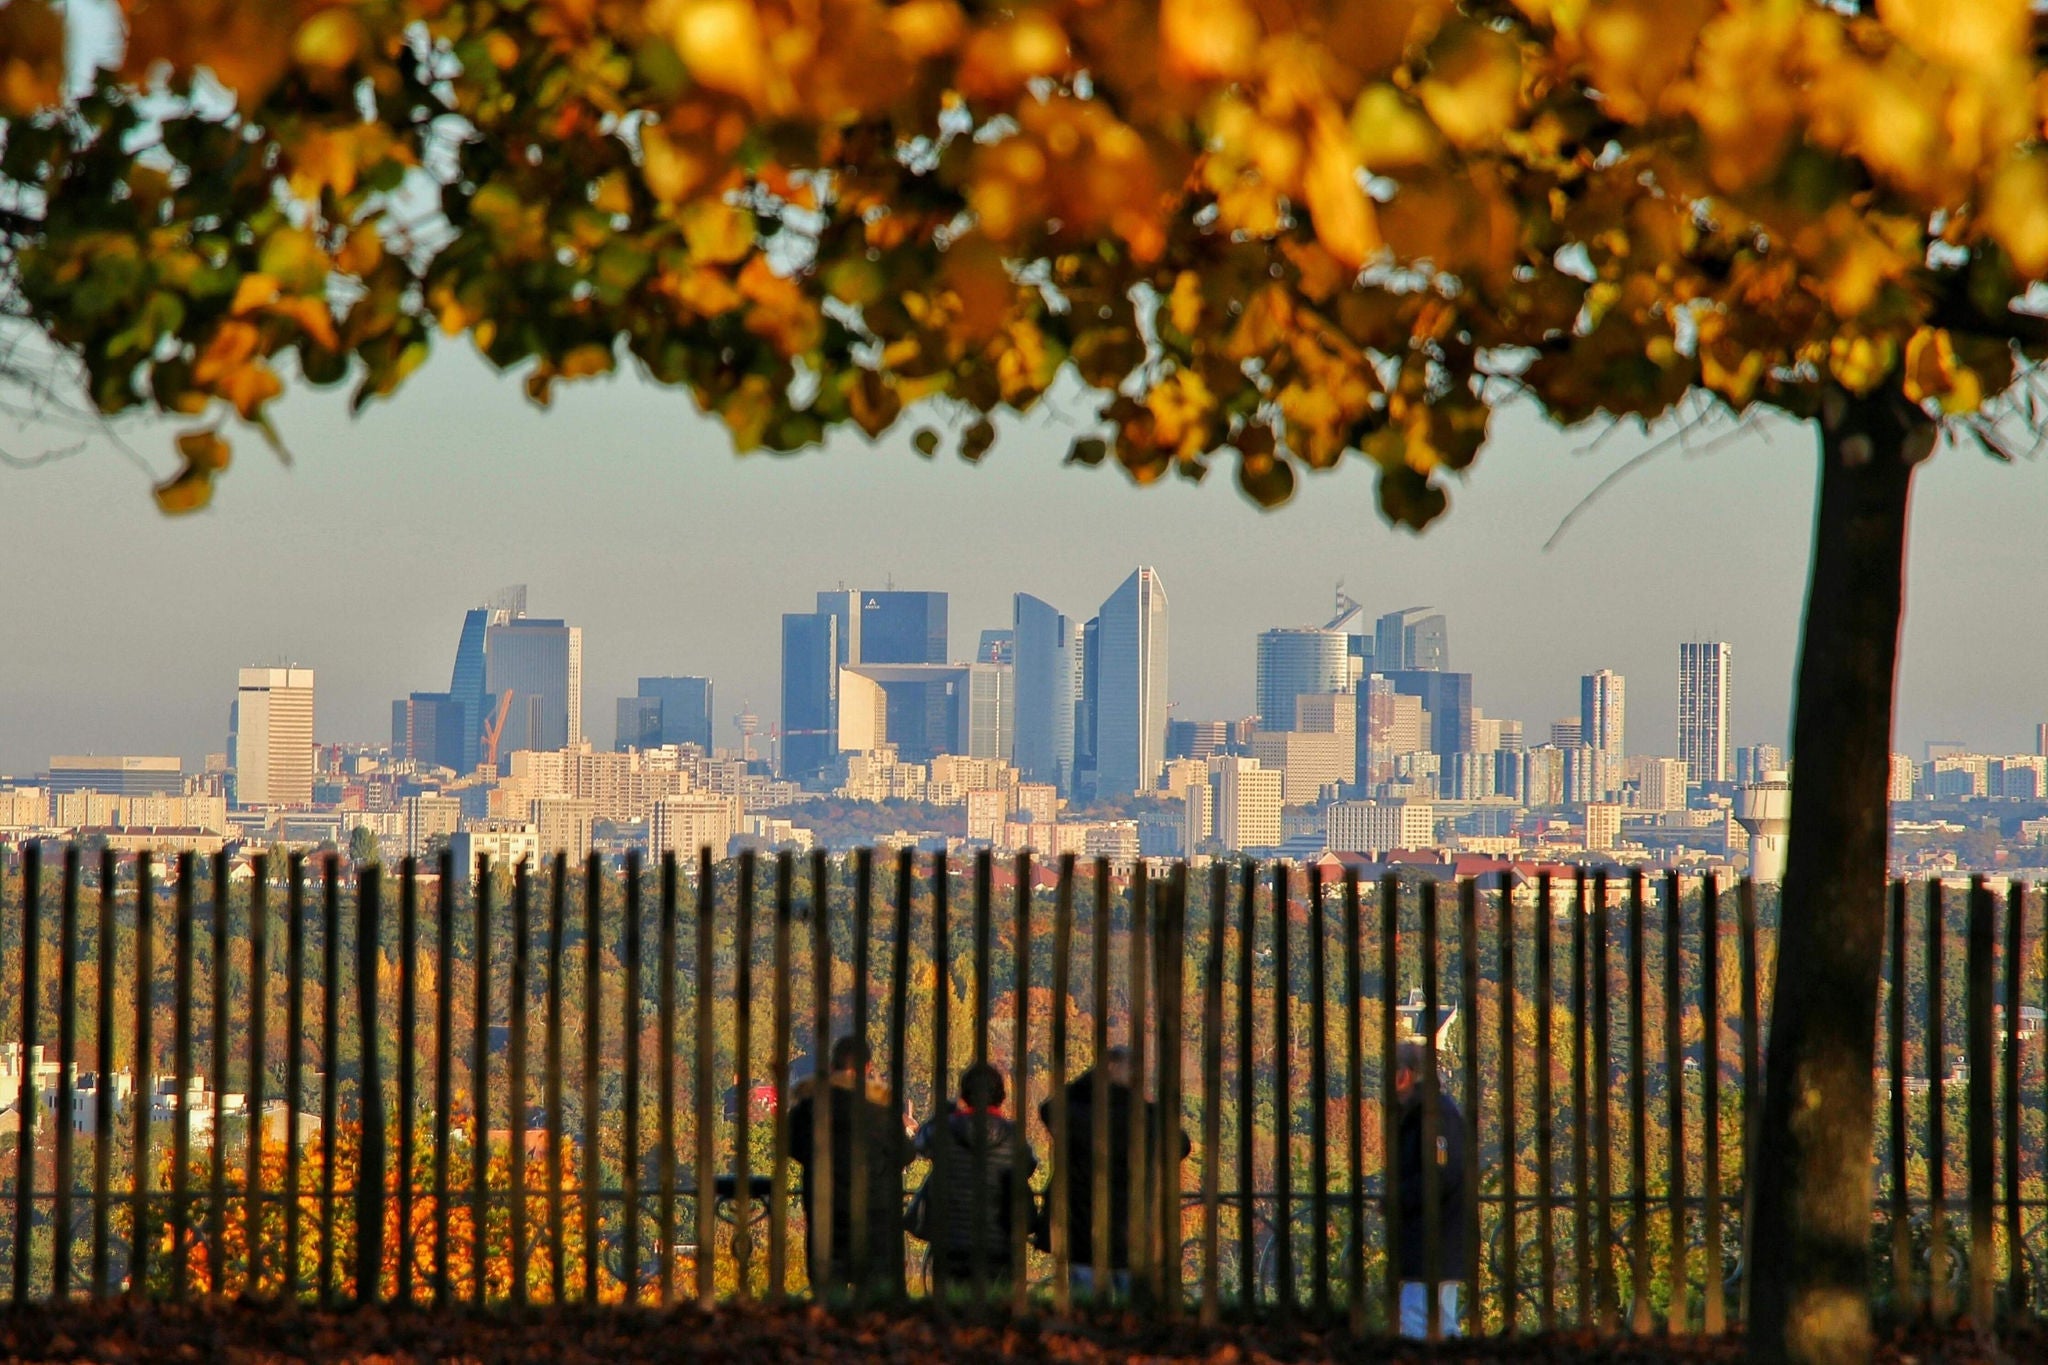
(494, 730)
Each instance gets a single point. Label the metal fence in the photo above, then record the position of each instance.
(571, 1083)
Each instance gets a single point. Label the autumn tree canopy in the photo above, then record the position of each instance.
(1274, 233)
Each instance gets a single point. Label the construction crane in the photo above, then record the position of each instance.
(494, 730)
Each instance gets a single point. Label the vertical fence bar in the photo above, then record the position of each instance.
(1059, 1206)
(1468, 1012)
(294, 1060)
(590, 1168)
(1432, 1125)
(1982, 1154)
(408, 1066)
(1902, 1265)
(142, 1170)
(1937, 1115)
(480, 1086)
(444, 1065)
(1510, 1220)
(1098, 1137)
(898, 1025)
(1247, 1093)
(1212, 1092)
(553, 969)
(779, 1028)
(1354, 1092)
(2015, 991)
(330, 1057)
(942, 971)
(370, 1170)
(1638, 1116)
(1020, 1077)
(1283, 1096)
(1678, 1315)
(1716, 1309)
(516, 1122)
(1546, 1114)
(217, 1153)
(25, 1146)
(665, 1093)
(1582, 1155)
(1172, 1026)
(705, 986)
(181, 1067)
(1390, 1112)
(253, 1193)
(67, 1073)
(1138, 940)
(857, 1136)
(1603, 1113)
(103, 1096)
(984, 869)
(1319, 1091)
(629, 1039)
(1752, 1049)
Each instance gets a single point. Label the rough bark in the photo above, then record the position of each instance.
(1810, 1286)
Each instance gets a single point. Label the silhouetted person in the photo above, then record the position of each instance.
(886, 1153)
(1411, 1065)
(977, 1153)
(1079, 1177)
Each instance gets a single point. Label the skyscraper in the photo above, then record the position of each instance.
(1409, 640)
(639, 723)
(466, 689)
(685, 709)
(1294, 661)
(273, 739)
(426, 728)
(1602, 712)
(1703, 679)
(540, 662)
(810, 693)
(1447, 697)
(1130, 692)
(1047, 647)
(901, 628)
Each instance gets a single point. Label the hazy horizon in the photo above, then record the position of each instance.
(625, 513)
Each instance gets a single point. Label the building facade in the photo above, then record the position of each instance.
(273, 739)
(1046, 647)
(1129, 703)
(540, 662)
(1297, 661)
(1603, 712)
(1703, 697)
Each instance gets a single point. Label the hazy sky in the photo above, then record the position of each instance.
(120, 630)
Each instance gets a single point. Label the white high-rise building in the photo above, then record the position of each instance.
(1703, 680)
(1602, 711)
(1130, 683)
(273, 739)
(1248, 799)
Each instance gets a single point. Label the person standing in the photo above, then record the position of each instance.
(1078, 1179)
(1419, 1278)
(976, 1154)
(885, 1152)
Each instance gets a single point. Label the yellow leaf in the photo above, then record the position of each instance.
(1390, 133)
(1208, 39)
(31, 56)
(2016, 213)
(721, 42)
(204, 449)
(1474, 85)
(329, 40)
(717, 234)
(253, 291)
(673, 169)
(1344, 218)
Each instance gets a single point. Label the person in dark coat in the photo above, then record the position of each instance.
(1078, 1179)
(1411, 1066)
(977, 1154)
(886, 1152)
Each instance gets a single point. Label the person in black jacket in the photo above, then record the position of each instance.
(976, 1155)
(1078, 1179)
(1418, 1277)
(885, 1153)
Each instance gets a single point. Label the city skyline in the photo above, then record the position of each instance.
(131, 656)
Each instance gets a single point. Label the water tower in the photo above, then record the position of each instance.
(1765, 810)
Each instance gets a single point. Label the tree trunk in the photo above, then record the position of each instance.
(1809, 1282)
